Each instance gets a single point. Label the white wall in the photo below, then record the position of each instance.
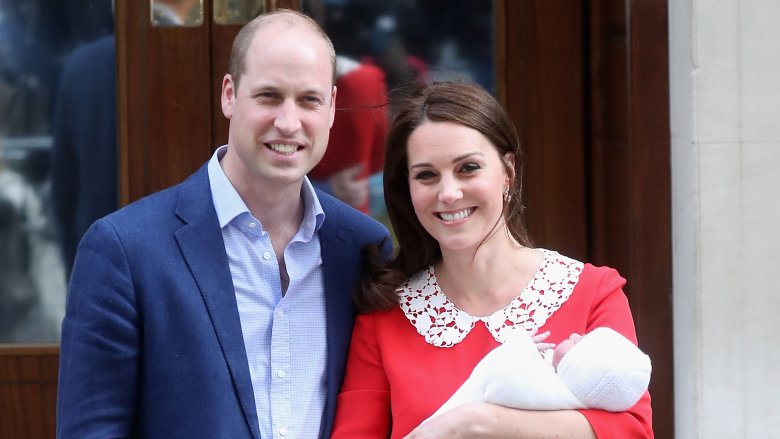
(725, 121)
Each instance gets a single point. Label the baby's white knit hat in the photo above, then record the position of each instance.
(606, 371)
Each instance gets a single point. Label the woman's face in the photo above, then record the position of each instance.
(457, 181)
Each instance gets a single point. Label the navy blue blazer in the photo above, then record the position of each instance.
(151, 341)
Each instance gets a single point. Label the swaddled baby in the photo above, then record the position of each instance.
(600, 370)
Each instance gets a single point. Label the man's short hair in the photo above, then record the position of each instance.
(237, 63)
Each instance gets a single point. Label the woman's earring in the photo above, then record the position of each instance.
(507, 197)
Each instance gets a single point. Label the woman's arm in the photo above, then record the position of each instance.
(363, 407)
(483, 420)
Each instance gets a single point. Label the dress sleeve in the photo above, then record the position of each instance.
(610, 308)
(363, 407)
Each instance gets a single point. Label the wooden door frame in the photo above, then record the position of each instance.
(28, 390)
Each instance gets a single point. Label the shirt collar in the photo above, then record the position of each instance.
(229, 205)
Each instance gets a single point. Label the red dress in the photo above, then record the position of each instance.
(406, 362)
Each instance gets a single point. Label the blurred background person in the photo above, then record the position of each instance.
(84, 153)
(356, 147)
(21, 230)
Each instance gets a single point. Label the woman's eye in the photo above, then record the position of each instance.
(424, 175)
(469, 167)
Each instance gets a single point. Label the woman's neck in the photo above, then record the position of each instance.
(486, 279)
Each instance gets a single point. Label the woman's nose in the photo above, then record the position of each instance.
(449, 190)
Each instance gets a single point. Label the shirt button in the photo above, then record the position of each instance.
(252, 225)
(282, 431)
(280, 373)
(280, 313)
(267, 255)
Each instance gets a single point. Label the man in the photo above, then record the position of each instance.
(221, 308)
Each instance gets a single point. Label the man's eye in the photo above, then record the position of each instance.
(312, 100)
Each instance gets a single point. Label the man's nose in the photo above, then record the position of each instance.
(287, 119)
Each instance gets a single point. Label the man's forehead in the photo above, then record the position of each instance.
(283, 36)
(281, 39)
(285, 25)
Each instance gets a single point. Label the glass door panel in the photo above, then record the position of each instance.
(57, 152)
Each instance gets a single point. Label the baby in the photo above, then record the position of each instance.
(600, 370)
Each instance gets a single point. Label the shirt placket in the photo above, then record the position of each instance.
(281, 389)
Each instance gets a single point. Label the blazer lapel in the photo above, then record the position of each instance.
(340, 268)
(200, 241)
(338, 275)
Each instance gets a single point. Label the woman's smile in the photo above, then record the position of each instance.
(456, 215)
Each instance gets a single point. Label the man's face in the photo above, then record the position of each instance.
(281, 111)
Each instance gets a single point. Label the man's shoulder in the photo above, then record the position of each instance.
(162, 205)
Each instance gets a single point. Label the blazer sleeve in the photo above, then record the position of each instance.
(610, 308)
(363, 408)
(100, 342)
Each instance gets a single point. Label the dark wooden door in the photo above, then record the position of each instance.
(587, 86)
(631, 174)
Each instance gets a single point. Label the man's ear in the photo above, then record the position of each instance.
(332, 106)
(228, 95)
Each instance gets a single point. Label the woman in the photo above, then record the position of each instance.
(468, 274)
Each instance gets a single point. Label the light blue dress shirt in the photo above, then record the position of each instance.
(284, 335)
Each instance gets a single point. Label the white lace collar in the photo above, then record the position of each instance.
(444, 325)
